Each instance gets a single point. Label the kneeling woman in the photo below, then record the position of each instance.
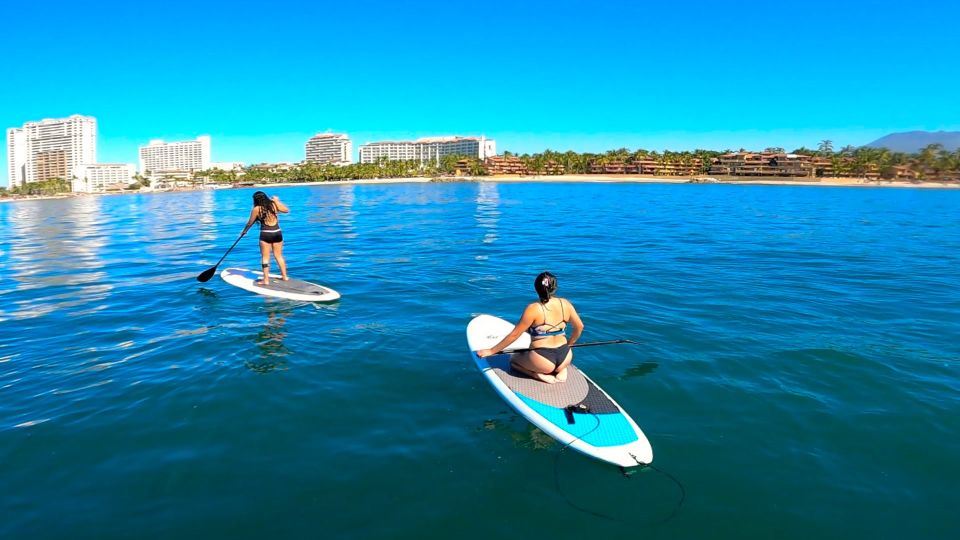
(546, 321)
(265, 212)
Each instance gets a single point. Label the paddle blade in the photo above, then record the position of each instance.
(207, 274)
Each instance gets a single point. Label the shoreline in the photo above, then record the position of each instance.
(571, 178)
(738, 180)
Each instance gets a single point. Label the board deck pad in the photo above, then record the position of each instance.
(294, 286)
(295, 289)
(576, 390)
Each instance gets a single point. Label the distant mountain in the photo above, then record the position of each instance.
(914, 141)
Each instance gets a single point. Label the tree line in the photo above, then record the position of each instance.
(932, 162)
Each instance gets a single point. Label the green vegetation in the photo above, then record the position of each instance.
(53, 186)
(313, 172)
(933, 162)
(930, 163)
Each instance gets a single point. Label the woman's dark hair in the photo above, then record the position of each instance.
(266, 205)
(546, 286)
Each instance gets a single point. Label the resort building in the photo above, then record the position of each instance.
(50, 148)
(647, 166)
(764, 164)
(16, 157)
(227, 165)
(329, 148)
(100, 177)
(185, 156)
(428, 149)
(505, 165)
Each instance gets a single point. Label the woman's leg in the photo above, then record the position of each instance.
(264, 263)
(278, 255)
(534, 365)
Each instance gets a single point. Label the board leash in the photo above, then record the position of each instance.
(580, 409)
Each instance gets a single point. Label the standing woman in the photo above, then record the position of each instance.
(546, 321)
(265, 212)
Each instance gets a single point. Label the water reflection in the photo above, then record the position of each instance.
(205, 215)
(272, 351)
(56, 248)
(334, 209)
(488, 212)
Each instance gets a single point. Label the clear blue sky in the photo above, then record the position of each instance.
(588, 76)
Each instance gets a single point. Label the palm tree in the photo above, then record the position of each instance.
(825, 148)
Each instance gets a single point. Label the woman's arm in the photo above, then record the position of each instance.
(279, 205)
(576, 322)
(529, 315)
(253, 219)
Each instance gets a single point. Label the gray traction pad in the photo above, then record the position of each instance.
(575, 390)
(294, 286)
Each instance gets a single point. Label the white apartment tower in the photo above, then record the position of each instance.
(50, 148)
(16, 157)
(187, 156)
(334, 148)
(97, 177)
(428, 149)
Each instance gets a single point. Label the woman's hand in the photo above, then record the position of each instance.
(483, 353)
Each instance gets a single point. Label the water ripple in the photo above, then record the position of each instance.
(796, 342)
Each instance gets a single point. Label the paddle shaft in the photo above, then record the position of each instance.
(588, 344)
(235, 242)
(208, 273)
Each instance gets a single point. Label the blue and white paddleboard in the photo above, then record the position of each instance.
(575, 412)
(293, 289)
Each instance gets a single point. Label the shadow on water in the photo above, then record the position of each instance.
(642, 497)
(207, 293)
(639, 370)
(529, 436)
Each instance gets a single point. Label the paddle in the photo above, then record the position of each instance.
(588, 344)
(208, 273)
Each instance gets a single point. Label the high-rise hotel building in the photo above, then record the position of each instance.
(185, 156)
(50, 148)
(428, 149)
(16, 157)
(334, 148)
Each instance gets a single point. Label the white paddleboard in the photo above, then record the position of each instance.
(292, 289)
(575, 412)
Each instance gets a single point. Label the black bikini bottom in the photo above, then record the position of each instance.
(271, 237)
(554, 354)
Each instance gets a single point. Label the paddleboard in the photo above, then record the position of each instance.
(575, 412)
(292, 289)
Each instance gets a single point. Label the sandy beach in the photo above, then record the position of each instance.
(596, 178)
(622, 178)
(613, 178)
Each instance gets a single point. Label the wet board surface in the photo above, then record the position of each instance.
(292, 289)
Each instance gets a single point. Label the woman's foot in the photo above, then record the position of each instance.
(262, 282)
(561, 375)
(542, 377)
(285, 278)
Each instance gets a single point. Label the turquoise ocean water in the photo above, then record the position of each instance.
(798, 372)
